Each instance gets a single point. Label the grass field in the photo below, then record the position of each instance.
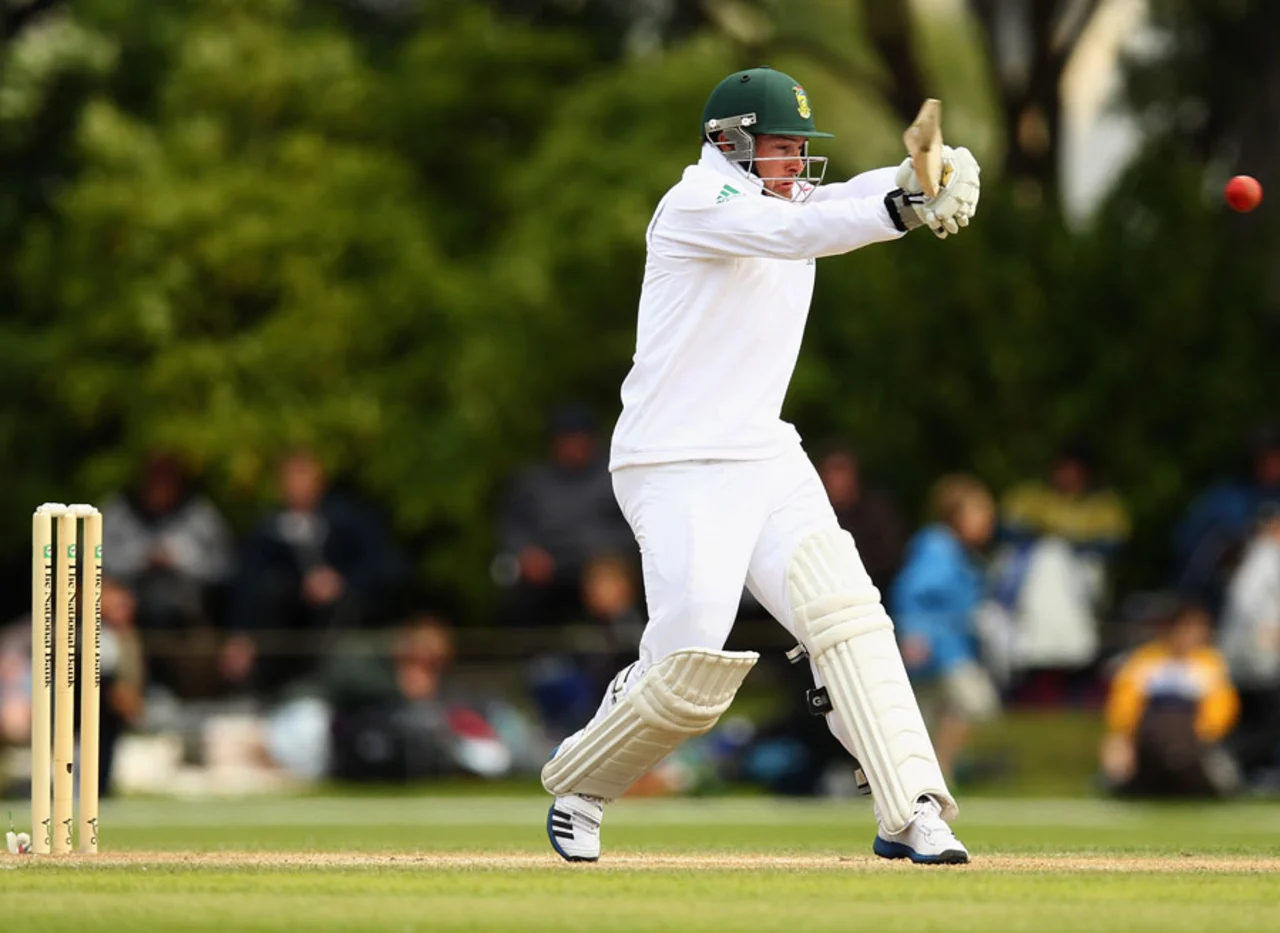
(735, 864)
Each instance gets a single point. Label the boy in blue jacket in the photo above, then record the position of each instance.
(934, 600)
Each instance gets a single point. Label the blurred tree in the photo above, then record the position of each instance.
(1212, 83)
(1146, 335)
(231, 226)
(580, 204)
(49, 65)
(1029, 44)
(259, 262)
(464, 103)
(893, 51)
(616, 28)
(17, 17)
(1209, 91)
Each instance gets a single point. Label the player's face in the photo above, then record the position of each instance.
(976, 521)
(779, 159)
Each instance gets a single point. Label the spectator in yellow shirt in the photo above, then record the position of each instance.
(1058, 536)
(1170, 705)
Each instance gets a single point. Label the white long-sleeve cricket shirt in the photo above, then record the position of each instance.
(727, 284)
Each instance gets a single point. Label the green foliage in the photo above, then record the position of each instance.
(242, 227)
(575, 254)
(1147, 335)
(260, 263)
(194, 249)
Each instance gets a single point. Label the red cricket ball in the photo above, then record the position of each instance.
(1243, 193)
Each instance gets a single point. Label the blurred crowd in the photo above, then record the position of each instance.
(291, 651)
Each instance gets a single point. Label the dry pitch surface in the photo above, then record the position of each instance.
(656, 861)
(481, 863)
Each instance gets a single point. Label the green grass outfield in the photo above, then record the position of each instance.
(732, 864)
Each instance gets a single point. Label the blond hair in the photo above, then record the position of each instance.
(951, 493)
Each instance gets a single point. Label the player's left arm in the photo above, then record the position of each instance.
(952, 208)
(865, 185)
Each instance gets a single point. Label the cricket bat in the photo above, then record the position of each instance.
(924, 145)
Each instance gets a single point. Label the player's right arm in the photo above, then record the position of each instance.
(699, 223)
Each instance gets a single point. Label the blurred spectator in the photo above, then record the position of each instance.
(401, 718)
(558, 515)
(567, 684)
(1250, 640)
(1051, 575)
(792, 753)
(614, 620)
(15, 685)
(866, 512)
(1070, 506)
(172, 548)
(934, 603)
(123, 672)
(421, 652)
(1211, 535)
(123, 676)
(1171, 703)
(317, 565)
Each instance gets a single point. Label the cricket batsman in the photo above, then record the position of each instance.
(717, 488)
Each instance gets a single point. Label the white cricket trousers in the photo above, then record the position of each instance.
(707, 527)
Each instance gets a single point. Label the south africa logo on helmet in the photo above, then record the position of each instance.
(802, 102)
(761, 102)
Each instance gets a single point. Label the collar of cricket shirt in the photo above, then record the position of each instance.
(714, 159)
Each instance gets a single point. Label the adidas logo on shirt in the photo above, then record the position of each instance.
(727, 192)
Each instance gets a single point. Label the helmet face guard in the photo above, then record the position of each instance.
(742, 149)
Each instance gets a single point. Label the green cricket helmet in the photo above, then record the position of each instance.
(761, 102)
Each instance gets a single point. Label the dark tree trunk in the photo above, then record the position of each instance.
(1044, 34)
(892, 35)
(14, 19)
(1047, 32)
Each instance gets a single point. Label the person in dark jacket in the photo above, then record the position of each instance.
(558, 516)
(1210, 538)
(167, 542)
(866, 512)
(318, 565)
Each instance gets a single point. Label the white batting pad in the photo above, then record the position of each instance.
(848, 634)
(681, 696)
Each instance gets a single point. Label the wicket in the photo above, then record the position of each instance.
(56, 598)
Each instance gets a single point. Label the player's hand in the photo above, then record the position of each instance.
(957, 199)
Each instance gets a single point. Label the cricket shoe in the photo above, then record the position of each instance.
(573, 826)
(926, 840)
